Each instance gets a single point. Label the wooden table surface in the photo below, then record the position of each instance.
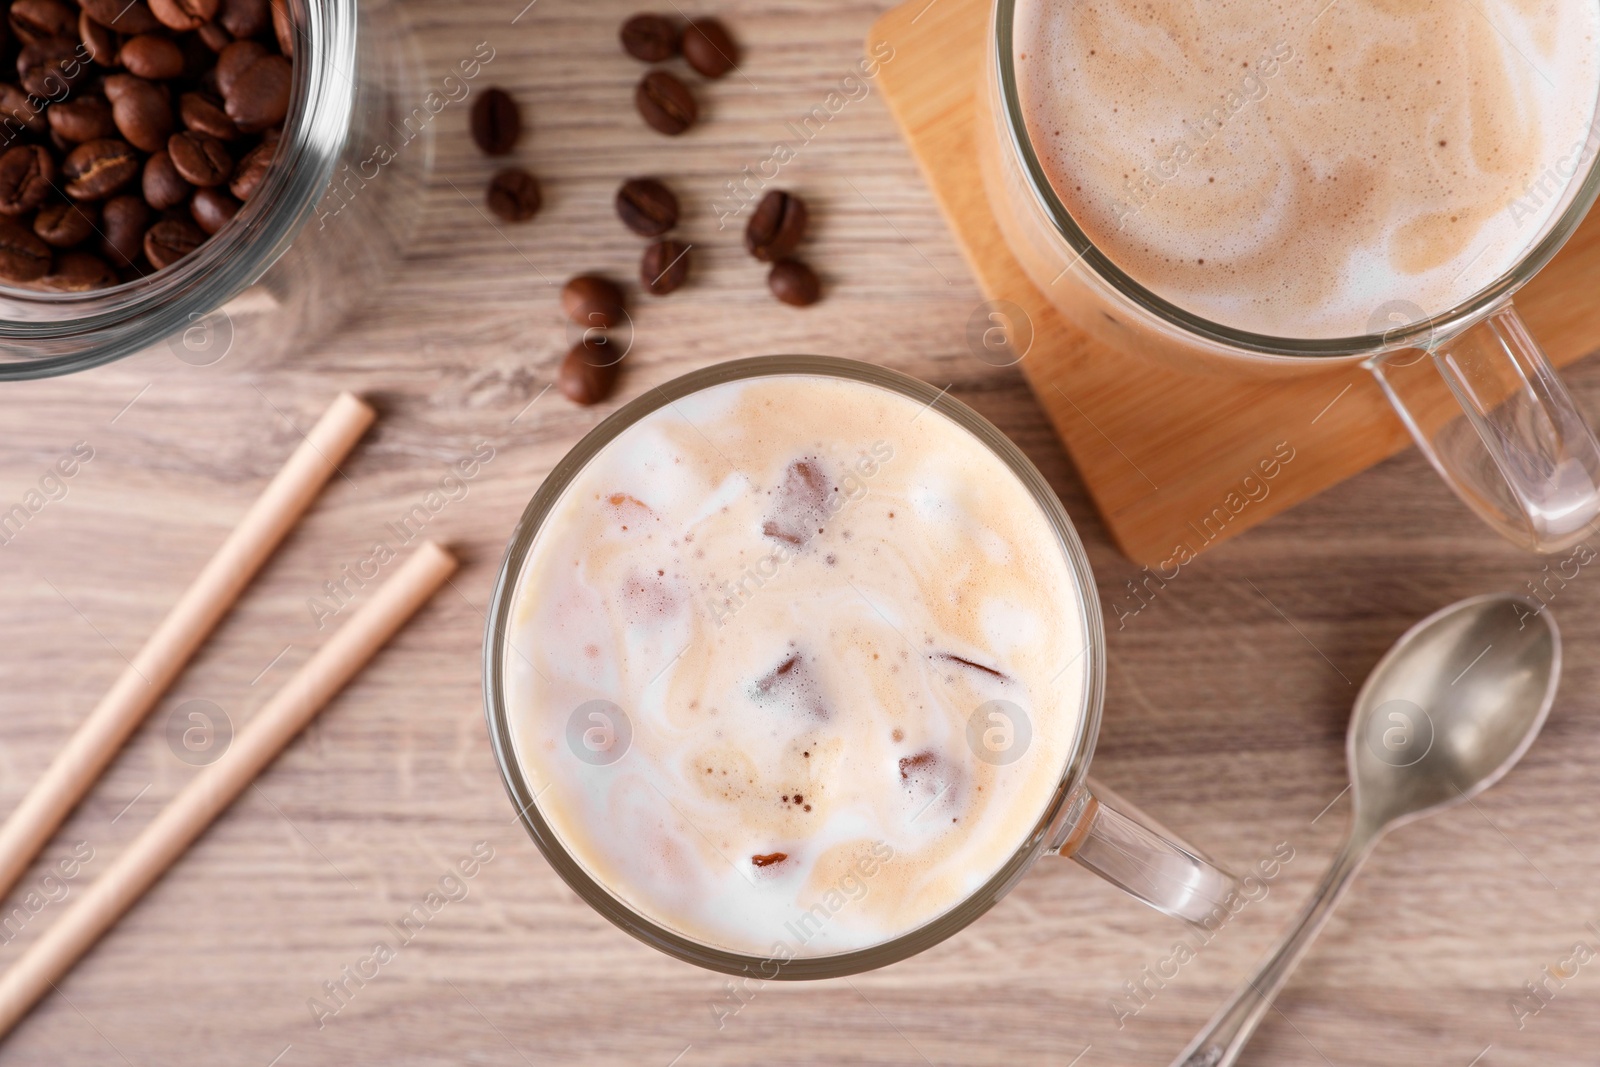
(1227, 699)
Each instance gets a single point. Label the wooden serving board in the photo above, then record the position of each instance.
(1163, 453)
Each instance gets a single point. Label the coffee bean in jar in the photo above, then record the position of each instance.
(131, 132)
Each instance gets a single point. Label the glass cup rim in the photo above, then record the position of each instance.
(1416, 334)
(108, 324)
(523, 797)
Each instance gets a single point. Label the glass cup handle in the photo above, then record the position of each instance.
(1135, 853)
(1513, 446)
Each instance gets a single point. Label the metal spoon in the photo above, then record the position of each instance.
(1446, 712)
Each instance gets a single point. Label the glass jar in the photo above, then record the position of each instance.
(327, 221)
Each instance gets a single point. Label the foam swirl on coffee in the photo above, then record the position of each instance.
(1287, 168)
(796, 592)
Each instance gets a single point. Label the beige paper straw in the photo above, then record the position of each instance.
(152, 671)
(204, 798)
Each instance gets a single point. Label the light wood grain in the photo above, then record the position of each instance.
(1223, 719)
(1161, 447)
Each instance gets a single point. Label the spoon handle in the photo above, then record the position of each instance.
(1224, 1038)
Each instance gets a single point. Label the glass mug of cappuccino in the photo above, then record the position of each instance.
(1273, 187)
(794, 668)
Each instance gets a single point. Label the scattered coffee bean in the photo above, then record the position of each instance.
(650, 38)
(64, 224)
(794, 283)
(259, 95)
(151, 56)
(183, 14)
(125, 16)
(50, 67)
(592, 301)
(252, 168)
(14, 104)
(647, 207)
(200, 159)
(214, 37)
(96, 169)
(245, 18)
(203, 113)
(39, 20)
(98, 41)
(142, 112)
(776, 226)
(212, 208)
(588, 371)
(496, 122)
(665, 103)
(83, 118)
(79, 272)
(123, 223)
(26, 176)
(709, 48)
(170, 240)
(162, 185)
(514, 195)
(283, 27)
(23, 257)
(665, 266)
(234, 60)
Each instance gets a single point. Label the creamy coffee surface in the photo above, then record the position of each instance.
(795, 665)
(1293, 167)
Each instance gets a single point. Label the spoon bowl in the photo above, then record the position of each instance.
(1451, 707)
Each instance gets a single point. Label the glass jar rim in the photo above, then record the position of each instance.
(77, 330)
(601, 898)
(1418, 334)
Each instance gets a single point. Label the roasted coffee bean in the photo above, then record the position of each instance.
(214, 37)
(79, 272)
(183, 14)
(588, 372)
(709, 49)
(794, 283)
(123, 223)
(142, 112)
(592, 301)
(252, 168)
(23, 257)
(665, 103)
(514, 195)
(259, 95)
(151, 56)
(212, 208)
(170, 240)
(83, 118)
(665, 266)
(496, 122)
(63, 224)
(16, 109)
(650, 38)
(203, 113)
(26, 176)
(201, 159)
(647, 207)
(96, 169)
(283, 27)
(51, 67)
(101, 43)
(244, 18)
(161, 183)
(776, 226)
(124, 16)
(39, 20)
(234, 60)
